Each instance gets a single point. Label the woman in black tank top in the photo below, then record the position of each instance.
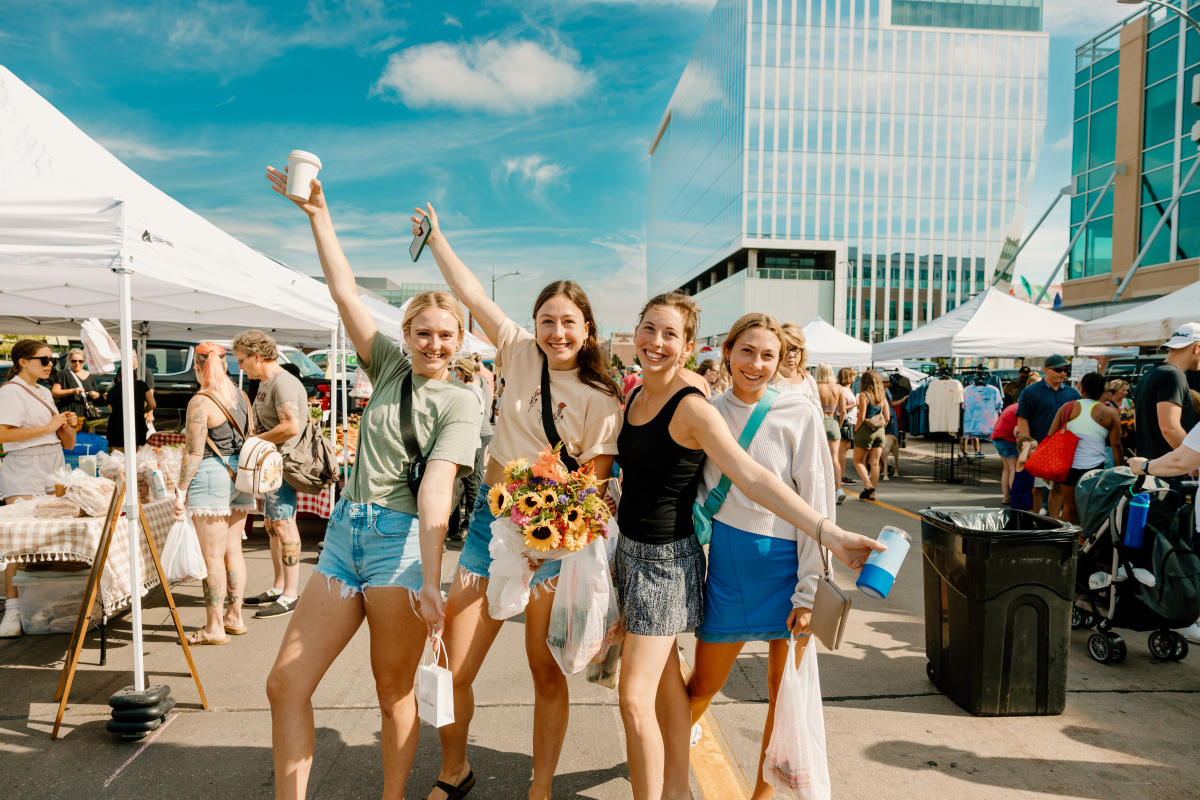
(669, 429)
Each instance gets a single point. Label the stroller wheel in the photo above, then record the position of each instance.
(1118, 650)
(1076, 619)
(1181, 647)
(1162, 644)
(1099, 647)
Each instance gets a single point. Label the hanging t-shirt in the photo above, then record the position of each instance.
(981, 409)
(944, 398)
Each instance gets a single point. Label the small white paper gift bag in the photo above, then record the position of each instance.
(435, 689)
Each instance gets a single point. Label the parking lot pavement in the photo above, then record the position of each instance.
(1128, 730)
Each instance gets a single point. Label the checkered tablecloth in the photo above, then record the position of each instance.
(319, 504)
(27, 540)
(165, 439)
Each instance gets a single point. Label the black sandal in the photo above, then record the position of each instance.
(460, 791)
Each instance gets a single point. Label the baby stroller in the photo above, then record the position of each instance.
(1155, 587)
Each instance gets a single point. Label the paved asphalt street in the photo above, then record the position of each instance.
(1129, 731)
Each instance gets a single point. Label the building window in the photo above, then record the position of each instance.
(1160, 114)
(1008, 15)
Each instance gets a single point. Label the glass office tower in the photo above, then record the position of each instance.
(865, 160)
(1133, 108)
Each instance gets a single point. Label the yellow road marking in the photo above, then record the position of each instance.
(716, 772)
(897, 509)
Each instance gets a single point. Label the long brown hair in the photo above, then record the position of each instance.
(22, 350)
(871, 385)
(592, 371)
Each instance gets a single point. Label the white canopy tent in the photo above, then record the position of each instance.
(826, 343)
(82, 235)
(1150, 323)
(990, 325)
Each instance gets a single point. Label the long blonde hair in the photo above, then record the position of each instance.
(748, 322)
(214, 375)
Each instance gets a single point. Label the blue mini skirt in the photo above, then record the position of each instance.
(748, 592)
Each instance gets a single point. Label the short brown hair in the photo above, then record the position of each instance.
(681, 303)
(257, 343)
(846, 376)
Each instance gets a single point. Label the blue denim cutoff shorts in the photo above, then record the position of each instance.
(371, 546)
(476, 557)
(281, 503)
(211, 492)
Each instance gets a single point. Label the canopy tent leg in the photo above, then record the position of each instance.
(345, 405)
(132, 512)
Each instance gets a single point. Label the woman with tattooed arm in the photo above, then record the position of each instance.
(206, 490)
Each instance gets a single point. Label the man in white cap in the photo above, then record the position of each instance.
(1163, 404)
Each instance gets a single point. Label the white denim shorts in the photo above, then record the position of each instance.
(28, 471)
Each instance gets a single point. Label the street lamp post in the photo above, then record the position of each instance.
(496, 277)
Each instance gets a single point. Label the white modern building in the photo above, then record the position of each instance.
(868, 161)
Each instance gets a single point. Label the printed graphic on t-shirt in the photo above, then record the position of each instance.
(535, 402)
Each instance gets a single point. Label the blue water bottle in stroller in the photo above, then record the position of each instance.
(1135, 523)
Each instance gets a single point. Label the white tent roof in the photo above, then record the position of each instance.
(991, 324)
(1150, 323)
(71, 212)
(390, 320)
(826, 343)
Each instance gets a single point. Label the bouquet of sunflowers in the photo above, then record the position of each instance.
(543, 513)
(554, 509)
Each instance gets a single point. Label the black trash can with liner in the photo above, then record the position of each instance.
(998, 592)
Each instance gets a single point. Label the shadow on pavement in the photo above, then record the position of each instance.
(1090, 779)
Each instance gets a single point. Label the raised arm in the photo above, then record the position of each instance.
(360, 325)
(462, 281)
(703, 424)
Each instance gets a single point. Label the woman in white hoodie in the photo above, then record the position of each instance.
(762, 574)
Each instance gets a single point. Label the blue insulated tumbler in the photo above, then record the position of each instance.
(1135, 523)
(879, 572)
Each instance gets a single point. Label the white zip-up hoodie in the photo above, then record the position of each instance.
(791, 443)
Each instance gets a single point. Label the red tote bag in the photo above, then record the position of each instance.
(1051, 461)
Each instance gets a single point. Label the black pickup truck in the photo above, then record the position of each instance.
(174, 378)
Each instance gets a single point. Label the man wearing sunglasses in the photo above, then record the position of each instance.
(1036, 408)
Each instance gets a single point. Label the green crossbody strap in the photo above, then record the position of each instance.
(716, 497)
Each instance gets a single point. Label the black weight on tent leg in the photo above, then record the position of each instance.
(144, 714)
(140, 727)
(132, 698)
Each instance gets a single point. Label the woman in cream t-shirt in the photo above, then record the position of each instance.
(585, 411)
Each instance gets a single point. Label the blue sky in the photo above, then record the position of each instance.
(526, 123)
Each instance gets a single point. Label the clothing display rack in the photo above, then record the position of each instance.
(83, 621)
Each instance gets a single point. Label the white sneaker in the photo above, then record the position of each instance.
(10, 627)
(1191, 632)
(696, 734)
(841, 497)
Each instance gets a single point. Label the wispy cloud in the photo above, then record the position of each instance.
(501, 77)
(1061, 144)
(536, 172)
(451, 21)
(1080, 19)
(232, 36)
(131, 147)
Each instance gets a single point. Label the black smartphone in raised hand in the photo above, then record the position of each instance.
(418, 242)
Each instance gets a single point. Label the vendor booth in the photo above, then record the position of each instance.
(1150, 323)
(82, 235)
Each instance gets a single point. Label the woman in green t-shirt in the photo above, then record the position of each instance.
(383, 548)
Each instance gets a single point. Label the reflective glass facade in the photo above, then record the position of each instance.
(904, 151)
(1167, 152)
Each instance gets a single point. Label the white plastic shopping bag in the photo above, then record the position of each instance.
(796, 764)
(181, 556)
(510, 573)
(435, 689)
(582, 616)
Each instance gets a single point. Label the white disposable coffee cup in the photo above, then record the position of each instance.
(303, 166)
